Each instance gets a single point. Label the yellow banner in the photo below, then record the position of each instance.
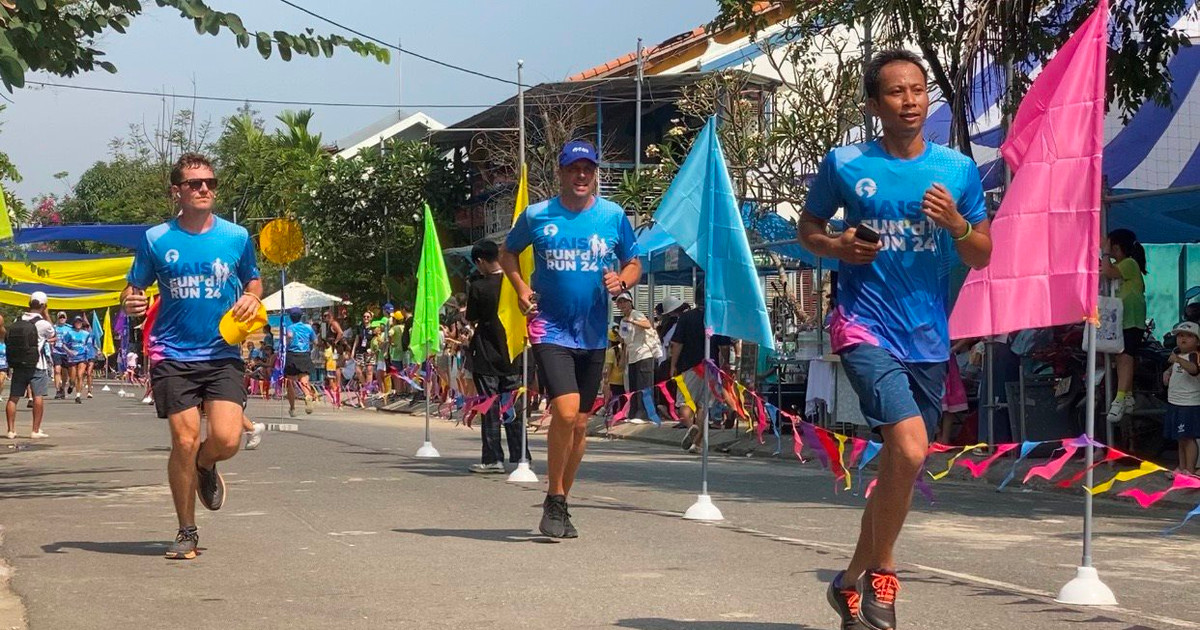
(1144, 469)
(511, 317)
(102, 299)
(96, 274)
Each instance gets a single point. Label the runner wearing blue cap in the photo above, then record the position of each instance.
(584, 253)
(300, 338)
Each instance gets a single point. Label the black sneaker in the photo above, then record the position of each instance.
(569, 530)
(210, 487)
(877, 606)
(689, 440)
(554, 516)
(845, 601)
(185, 544)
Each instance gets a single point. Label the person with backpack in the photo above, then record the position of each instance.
(27, 347)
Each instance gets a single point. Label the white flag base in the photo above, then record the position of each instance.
(523, 474)
(427, 451)
(121, 393)
(703, 510)
(106, 388)
(1086, 590)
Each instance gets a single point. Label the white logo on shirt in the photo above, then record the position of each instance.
(171, 256)
(865, 188)
(221, 272)
(550, 230)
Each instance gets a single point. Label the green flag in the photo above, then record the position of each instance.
(433, 289)
(5, 224)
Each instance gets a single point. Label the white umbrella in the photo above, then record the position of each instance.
(298, 294)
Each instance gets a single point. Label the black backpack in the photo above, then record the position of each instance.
(22, 343)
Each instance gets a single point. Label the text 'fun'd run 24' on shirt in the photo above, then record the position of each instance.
(571, 252)
(898, 302)
(200, 277)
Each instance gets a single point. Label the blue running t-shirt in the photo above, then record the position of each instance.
(76, 342)
(300, 338)
(200, 277)
(60, 339)
(571, 251)
(898, 302)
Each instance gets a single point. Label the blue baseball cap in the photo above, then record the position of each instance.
(576, 150)
(295, 313)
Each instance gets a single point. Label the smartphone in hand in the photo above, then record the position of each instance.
(863, 232)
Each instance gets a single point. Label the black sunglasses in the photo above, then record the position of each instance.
(195, 184)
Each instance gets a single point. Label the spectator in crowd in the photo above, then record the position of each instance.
(1127, 264)
(687, 352)
(614, 368)
(28, 344)
(493, 372)
(642, 351)
(1182, 378)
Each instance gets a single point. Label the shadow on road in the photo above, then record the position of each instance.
(490, 535)
(657, 623)
(123, 548)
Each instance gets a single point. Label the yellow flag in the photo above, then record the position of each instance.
(510, 315)
(107, 346)
(5, 224)
(1141, 471)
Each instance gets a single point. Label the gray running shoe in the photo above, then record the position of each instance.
(569, 530)
(210, 487)
(185, 544)
(554, 516)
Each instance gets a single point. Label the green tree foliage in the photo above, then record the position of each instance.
(265, 175)
(8, 173)
(364, 214)
(61, 36)
(965, 40)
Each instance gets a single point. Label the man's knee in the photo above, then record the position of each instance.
(907, 443)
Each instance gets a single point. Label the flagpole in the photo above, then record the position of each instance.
(524, 472)
(704, 509)
(427, 451)
(282, 356)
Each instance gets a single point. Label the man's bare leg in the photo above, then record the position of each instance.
(39, 412)
(181, 466)
(10, 414)
(578, 446)
(560, 442)
(224, 432)
(904, 449)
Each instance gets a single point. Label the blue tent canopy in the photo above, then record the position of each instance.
(128, 236)
(1165, 218)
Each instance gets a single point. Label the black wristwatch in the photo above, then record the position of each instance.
(624, 287)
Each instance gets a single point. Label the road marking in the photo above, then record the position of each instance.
(275, 426)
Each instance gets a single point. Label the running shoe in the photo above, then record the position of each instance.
(554, 516)
(59, 396)
(308, 405)
(10, 435)
(39, 435)
(185, 544)
(148, 400)
(569, 530)
(845, 601)
(89, 394)
(210, 487)
(292, 412)
(494, 468)
(689, 440)
(877, 606)
(254, 438)
(29, 403)
(1120, 408)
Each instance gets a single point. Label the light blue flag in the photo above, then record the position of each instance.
(700, 212)
(97, 333)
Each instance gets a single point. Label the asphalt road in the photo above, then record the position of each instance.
(338, 526)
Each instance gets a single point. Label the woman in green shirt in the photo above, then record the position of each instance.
(1128, 265)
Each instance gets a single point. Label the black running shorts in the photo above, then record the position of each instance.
(179, 385)
(570, 371)
(298, 364)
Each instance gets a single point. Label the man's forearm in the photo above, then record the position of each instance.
(976, 249)
(631, 273)
(254, 287)
(814, 237)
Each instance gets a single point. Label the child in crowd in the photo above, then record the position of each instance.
(1182, 421)
(331, 373)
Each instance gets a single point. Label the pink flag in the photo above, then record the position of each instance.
(1045, 260)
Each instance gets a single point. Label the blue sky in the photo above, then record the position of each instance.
(48, 130)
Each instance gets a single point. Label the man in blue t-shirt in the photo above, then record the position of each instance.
(59, 354)
(584, 254)
(925, 203)
(76, 344)
(300, 338)
(204, 266)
